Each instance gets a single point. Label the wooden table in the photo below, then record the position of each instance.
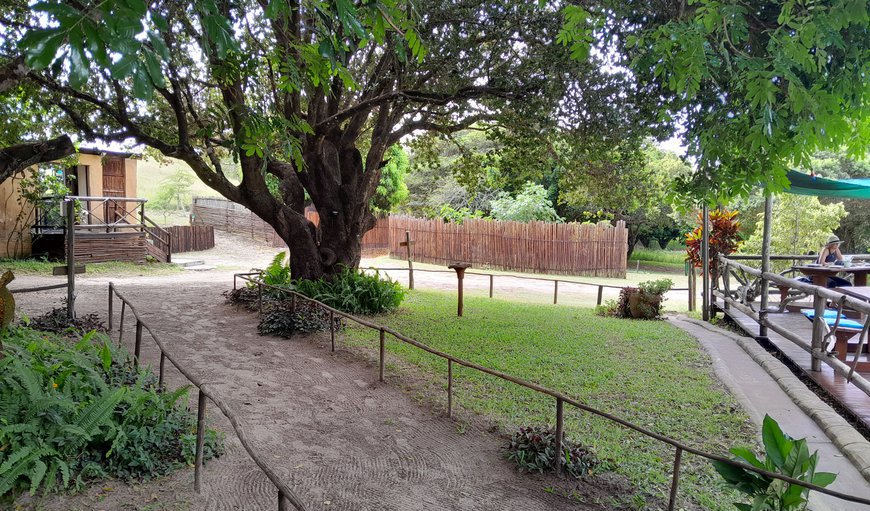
(820, 274)
(859, 292)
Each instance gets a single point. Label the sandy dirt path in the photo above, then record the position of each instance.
(339, 437)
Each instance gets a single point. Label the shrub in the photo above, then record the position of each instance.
(724, 239)
(284, 321)
(533, 449)
(656, 287)
(71, 413)
(785, 456)
(354, 292)
(278, 271)
(56, 321)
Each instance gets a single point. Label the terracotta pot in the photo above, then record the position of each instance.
(643, 306)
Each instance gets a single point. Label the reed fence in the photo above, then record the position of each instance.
(191, 238)
(563, 249)
(597, 250)
(560, 399)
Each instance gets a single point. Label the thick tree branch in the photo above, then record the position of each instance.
(14, 159)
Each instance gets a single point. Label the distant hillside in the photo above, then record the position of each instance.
(150, 174)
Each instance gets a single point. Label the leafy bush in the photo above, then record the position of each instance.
(278, 271)
(656, 287)
(284, 321)
(71, 413)
(533, 449)
(724, 239)
(354, 292)
(244, 296)
(57, 321)
(785, 456)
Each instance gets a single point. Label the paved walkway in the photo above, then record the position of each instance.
(760, 394)
(324, 423)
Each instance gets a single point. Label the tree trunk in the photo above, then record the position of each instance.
(339, 188)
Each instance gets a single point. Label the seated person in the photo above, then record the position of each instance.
(830, 255)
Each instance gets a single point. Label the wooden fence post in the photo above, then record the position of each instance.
(200, 441)
(560, 422)
(137, 347)
(332, 329)
(111, 306)
(818, 331)
(490, 284)
(449, 388)
(675, 481)
(600, 294)
(70, 259)
(555, 292)
(381, 357)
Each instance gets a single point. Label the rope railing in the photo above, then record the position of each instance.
(556, 282)
(559, 397)
(285, 493)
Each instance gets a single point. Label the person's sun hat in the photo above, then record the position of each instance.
(833, 239)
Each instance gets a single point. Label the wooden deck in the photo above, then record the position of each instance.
(850, 397)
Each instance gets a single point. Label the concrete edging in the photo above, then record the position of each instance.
(841, 433)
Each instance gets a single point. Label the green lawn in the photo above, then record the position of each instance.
(44, 267)
(675, 258)
(650, 373)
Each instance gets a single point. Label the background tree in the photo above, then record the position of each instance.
(175, 192)
(392, 191)
(759, 86)
(800, 225)
(529, 204)
(291, 88)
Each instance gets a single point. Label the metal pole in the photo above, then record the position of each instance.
(765, 265)
(705, 262)
(449, 388)
(672, 501)
(200, 440)
(560, 422)
(381, 358)
(70, 259)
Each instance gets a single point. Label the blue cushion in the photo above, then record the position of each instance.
(810, 313)
(831, 318)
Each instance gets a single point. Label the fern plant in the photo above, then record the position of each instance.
(73, 412)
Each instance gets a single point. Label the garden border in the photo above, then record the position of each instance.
(560, 398)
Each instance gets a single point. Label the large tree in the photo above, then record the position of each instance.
(294, 89)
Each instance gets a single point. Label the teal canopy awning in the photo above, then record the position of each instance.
(804, 184)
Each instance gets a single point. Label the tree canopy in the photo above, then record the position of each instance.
(293, 89)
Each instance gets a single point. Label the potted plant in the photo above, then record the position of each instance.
(645, 301)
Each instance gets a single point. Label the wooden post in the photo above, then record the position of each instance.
(282, 502)
(449, 388)
(381, 357)
(70, 259)
(460, 276)
(490, 284)
(332, 329)
(200, 441)
(726, 284)
(121, 327)
(675, 480)
(705, 262)
(818, 331)
(765, 264)
(260, 298)
(559, 432)
(137, 347)
(160, 378)
(555, 292)
(600, 294)
(111, 305)
(691, 287)
(407, 244)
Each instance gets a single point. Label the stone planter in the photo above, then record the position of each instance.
(644, 306)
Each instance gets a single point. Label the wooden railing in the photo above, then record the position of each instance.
(751, 281)
(159, 237)
(285, 493)
(560, 398)
(107, 214)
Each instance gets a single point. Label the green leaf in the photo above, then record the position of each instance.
(124, 67)
(154, 70)
(42, 46)
(78, 67)
(142, 86)
(824, 478)
(776, 445)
